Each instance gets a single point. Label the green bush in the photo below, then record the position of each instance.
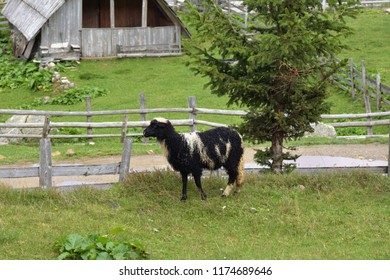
(99, 247)
(77, 95)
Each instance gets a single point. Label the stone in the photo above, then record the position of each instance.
(34, 119)
(70, 152)
(322, 130)
(11, 120)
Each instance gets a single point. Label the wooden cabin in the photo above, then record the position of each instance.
(70, 29)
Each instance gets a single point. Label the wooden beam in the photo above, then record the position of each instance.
(144, 13)
(112, 13)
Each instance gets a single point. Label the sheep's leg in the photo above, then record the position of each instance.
(240, 175)
(199, 185)
(184, 179)
(230, 186)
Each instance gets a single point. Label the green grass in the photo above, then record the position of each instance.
(370, 42)
(328, 216)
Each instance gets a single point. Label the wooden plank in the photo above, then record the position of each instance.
(142, 106)
(19, 172)
(85, 170)
(125, 162)
(193, 113)
(366, 98)
(212, 124)
(94, 113)
(124, 128)
(88, 105)
(45, 163)
(144, 13)
(378, 92)
(46, 127)
(361, 124)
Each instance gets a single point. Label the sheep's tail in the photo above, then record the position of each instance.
(240, 174)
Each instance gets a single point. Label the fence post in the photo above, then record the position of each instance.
(142, 105)
(89, 117)
(45, 163)
(378, 91)
(192, 105)
(351, 70)
(46, 127)
(125, 163)
(366, 98)
(124, 128)
(388, 156)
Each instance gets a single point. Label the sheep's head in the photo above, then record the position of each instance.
(159, 128)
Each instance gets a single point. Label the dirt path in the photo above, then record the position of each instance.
(150, 162)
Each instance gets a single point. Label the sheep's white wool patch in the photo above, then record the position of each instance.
(161, 120)
(223, 157)
(164, 148)
(194, 142)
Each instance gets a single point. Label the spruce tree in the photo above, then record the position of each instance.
(277, 66)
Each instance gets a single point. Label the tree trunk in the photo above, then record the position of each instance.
(277, 152)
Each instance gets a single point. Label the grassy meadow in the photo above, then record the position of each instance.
(323, 216)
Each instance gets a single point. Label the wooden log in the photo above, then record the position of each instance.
(142, 106)
(124, 128)
(94, 113)
(45, 164)
(85, 170)
(125, 163)
(366, 98)
(356, 116)
(361, 124)
(46, 127)
(212, 124)
(89, 117)
(378, 91)
(19, 172)
(221, 112)
(192, 106)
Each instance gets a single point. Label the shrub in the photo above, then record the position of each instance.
(99, 247)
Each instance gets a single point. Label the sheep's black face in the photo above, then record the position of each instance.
(158, 128)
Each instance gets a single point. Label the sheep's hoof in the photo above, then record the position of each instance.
(203, 196)
(183, 198)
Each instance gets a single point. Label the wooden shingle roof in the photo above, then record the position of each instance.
(28, 16)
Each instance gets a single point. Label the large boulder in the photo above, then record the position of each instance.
(21, 119)
(34, 119)
(11, 120)
(322, 130)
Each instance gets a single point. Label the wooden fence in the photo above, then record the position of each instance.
(46, 170)
(48, 127)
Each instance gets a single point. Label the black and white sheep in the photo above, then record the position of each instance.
(190, 153)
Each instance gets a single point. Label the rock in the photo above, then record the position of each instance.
(34, 119)
(70, 152)
(55, 154)
(21, 119)
(13, 119)
(322, 130)
(46, 99)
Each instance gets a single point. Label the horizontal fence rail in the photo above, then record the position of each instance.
(48, 127)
